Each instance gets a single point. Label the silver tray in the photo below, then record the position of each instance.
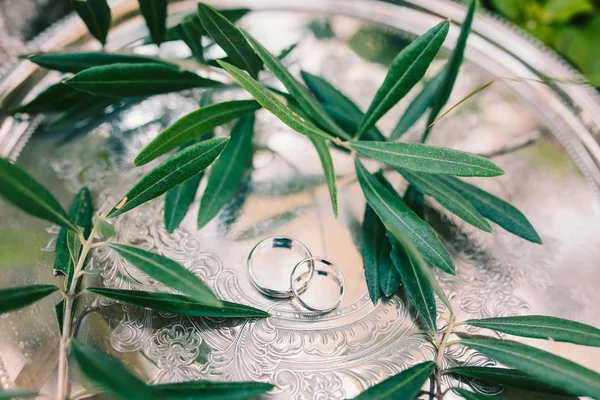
(554, 181)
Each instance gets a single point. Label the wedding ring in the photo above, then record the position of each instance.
(270, 264)
(304, 286)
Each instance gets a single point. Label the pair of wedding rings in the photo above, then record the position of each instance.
(273, 257)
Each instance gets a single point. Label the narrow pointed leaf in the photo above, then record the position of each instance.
(190, 30)
(389, 278)
(168, 272)
(207, 390)
(287, 51)
(505, 377)
(16, 394)
(77, 62)
(230, 39)
(193, 125)
(467, 395)
(155, 14)
(452, 69)
(22, 190)
(397, 217)
(448, 198)
(107, 374)
(96, 16)
(16, 298)
(178, 304)
(373, 251)
(85, 109)
(539, 364)
(415, 283)
(80, 212)
(406, 70)
(494, 209)
(228, 171)
(173, 171)
(415, 200)
(430, 159)
(542, 327)
(178, 201)
(59, 310)
(132, 80)
(272, 104)
(56, 98)
(405, 385)
(329, 171)
(418, 106)
(307, 102)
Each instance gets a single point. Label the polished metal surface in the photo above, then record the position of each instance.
(554, 181)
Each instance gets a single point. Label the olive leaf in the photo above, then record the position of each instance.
(271, 103)
(287, 51)
(207, 390)
(230, 39)
(81, 212)
(375, 251)
(338, 106)
(542, 327)
(418, 106)
(88, 108)
(329, 171)
(170, 173)
(59, 310)
(431, 159)
(448, 198)
(193, 125)
(178, 304)
(414, 200)
(133, 80)
(494, 209)
(406, 70)
(96, 16)
(155, 14)
(228, 171)
(178, 201)
(505, 377)
(55, 98)
(16, 394)
(22, 190)
(465, 394)
(190, 30)
(18, 297)
(107, 374)
(451, 70)
(168, 272)
(405, 385)
(76, 62)
(546, 367)
(389, 278)
(397, 217)
(300, 93)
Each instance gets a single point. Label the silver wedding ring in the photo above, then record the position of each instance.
(293, 272)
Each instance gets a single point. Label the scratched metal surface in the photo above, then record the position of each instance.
(554, 181)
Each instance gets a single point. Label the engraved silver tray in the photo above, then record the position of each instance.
(554, 181)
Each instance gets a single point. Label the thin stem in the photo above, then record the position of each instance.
(441, 352)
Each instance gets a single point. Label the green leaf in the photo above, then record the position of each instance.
(74, 246)
(106, 230)
(306, 101)
(424, 158)
(81, 212)
(58, 97)
(505, 377)
(77, 62)
(193, 125)
(178, 304)
(418, 106)
(59, 310)
(131, 80)
(389, 278)
(448, 198)
(473, 396)
(451, 69)
(405, 385)
(207, 390)
(397, 217)
(178, 201)
(230, 39)
(542, 327)
(228, 171)
(287, 51)
(107, 374)
(155, 14)
(85, 109)
(546, 367)
(190, 30)
(494, 209)
(22, 190)
(271, 103)
(414, 199)
(561, 11)
(96, 15)
(415, 283)
(170, 173)
(338, 106)
(168, 272)
(329, 171)
(406, 70)
(374, 250)
(16, 394)
(16, 298)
